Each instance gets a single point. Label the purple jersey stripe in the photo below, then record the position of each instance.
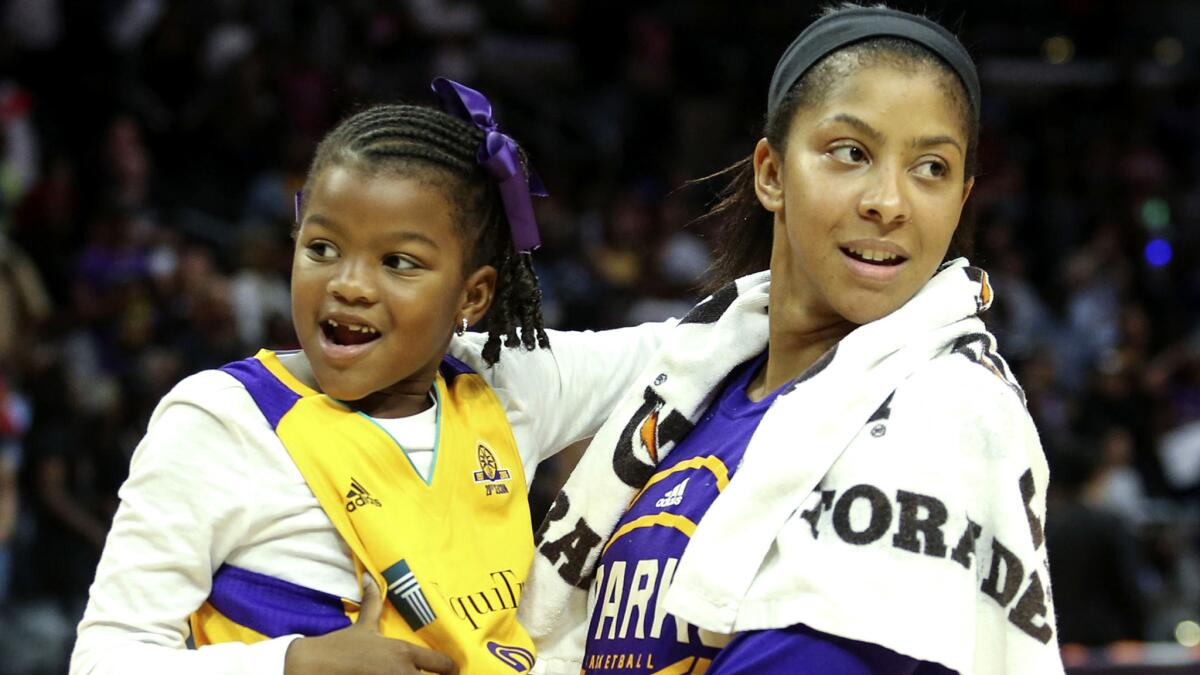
(452, 368)
(800, 650)
(273, 397)
(274, 607)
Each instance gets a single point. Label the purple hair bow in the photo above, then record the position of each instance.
(499, 155)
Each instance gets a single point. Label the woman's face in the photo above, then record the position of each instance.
(867, 195)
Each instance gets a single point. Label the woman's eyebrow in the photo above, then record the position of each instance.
(878, 136)
(930, 141)
(859, 124)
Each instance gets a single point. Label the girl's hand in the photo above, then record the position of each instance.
(361, 650)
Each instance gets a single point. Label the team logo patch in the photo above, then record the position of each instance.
(405, 594)
(358, 496)
(490, 473)
(517, 658)
(649, 433)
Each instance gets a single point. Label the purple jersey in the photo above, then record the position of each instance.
(800, 650)
(629, 630)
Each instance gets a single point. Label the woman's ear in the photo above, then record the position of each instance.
(768, 176)
(967, 190)
(478, 291)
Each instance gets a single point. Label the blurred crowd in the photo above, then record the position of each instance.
(149, 150)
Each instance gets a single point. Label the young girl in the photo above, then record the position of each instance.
(267, 495)
(849, 483)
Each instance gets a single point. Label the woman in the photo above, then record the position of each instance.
(849, 483)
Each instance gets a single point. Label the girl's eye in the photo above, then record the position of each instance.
(851, 154)
(933, 168)
(399, 263)
(321, 249)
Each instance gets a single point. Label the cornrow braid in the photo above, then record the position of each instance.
(431, 145)
(517, 294)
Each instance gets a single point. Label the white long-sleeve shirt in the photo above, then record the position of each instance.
(211, 484)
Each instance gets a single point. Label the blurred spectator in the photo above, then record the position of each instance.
(1119, 488)
(1090, 549)
(14, 421)
(24, 301)
(259, 291)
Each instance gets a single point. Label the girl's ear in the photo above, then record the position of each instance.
(768, 176)
(478, 291)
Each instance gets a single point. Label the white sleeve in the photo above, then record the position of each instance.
(560, 395)
(188, 502)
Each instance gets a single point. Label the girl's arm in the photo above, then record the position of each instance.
(186, 505)
(200, 488)
(555, 397)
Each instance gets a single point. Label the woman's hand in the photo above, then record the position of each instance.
(361, 650)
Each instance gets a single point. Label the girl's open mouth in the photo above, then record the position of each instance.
(348, 334)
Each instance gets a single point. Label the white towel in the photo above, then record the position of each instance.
(893, 493)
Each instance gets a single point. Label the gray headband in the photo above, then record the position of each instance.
(830, 33)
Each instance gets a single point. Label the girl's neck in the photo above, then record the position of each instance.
(797, 338)
(402, 399)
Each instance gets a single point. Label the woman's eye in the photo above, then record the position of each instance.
(850, 153)
(932, 169)
(399, 262)
(321, 249)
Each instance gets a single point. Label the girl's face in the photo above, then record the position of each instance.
(378, 284)
(868, 195)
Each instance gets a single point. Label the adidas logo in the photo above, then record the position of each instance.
(359, 496)
(674, 497)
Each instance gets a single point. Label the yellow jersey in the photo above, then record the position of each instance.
(452, 551)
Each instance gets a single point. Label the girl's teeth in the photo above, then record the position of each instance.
(354, 328)
(874, 256)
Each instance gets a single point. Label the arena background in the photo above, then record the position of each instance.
(150, 148)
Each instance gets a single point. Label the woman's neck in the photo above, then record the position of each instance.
(797, 338)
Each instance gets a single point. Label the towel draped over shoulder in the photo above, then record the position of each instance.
(894, 493)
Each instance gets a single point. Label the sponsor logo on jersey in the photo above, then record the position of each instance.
(503, 595)
(517, 658)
